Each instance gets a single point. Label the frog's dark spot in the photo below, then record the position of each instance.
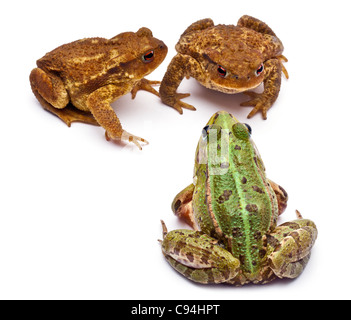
(243, 180)
(190, 256)
(237, 147)
(251, 208)
(224, 196)
(181, 233)
(204, 259)
(254, 263)
(242, 259)
(177, 205)
(217, 114)
(236, 232)
(292, 225)
(218, 147)
(225, 165)
(257, 189)
(262, 253)
(257, 235)
(272, 241)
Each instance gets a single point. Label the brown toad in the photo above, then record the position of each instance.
(78, 81)
(229, 59)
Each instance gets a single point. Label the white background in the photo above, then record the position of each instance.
(80, 216)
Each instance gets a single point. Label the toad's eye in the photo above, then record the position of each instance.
(148, 56)
(259, 70)
(221, 71)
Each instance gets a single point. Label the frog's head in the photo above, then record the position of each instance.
(231, 70)
(221, 138)
(138, 54)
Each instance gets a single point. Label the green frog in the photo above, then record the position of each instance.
(233, 209)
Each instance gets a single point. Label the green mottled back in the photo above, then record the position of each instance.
(233, 200)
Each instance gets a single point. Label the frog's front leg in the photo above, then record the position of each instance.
(182, 206)
(176, 71)
(98, 103)
(281, 194)
(198, 257)
(52, 95)
(291, 243)
(263, 101)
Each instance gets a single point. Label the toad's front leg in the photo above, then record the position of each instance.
(146, 85)
(98, 103)
(181, 66)
(273, 69)
(198, 257)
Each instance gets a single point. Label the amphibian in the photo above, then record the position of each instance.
(78, 81)
(227, 58)
(233, 208)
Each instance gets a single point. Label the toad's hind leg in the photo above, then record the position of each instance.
(291, 244)
(52, 95)
(198, 257)
(255, 24)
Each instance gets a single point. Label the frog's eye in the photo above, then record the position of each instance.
(148, 56)
(259, 70)
(222, 71)
(205, 131)
(213, 130)
(248, 128)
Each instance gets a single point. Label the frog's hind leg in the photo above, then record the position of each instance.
(198, 257)
(291, 244)
(52, 95)
(255, 24)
